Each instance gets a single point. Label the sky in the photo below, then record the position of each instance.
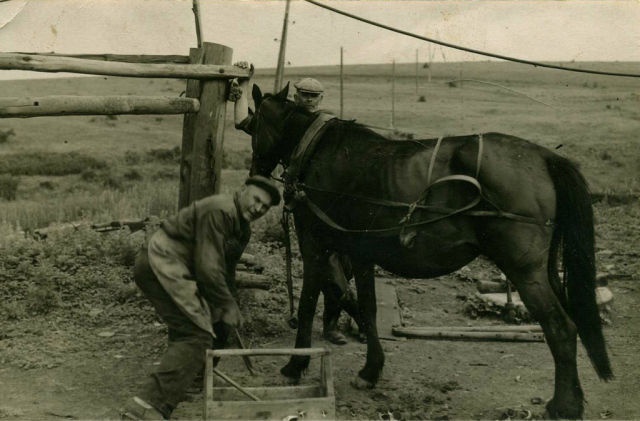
(542, 30)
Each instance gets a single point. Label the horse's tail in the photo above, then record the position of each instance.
(574, 234)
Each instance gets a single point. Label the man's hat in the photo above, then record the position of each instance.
(266, 185)
(309, 85)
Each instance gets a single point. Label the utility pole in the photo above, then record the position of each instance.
(283, 45)
(416, 70)
(393, 94)
(341, 83)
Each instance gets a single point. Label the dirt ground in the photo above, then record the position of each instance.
(58, 368)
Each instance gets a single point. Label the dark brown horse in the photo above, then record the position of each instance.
(426, 208)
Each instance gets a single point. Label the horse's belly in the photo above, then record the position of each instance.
(426, 258)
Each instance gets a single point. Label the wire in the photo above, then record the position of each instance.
(471, 50)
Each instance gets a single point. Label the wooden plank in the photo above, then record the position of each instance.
(308, 408)
(388, 314)
(54, 64)
(268, 393)
(61, 105)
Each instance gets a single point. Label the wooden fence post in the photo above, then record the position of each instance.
(202, 133)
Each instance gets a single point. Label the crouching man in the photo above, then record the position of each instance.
(188, 273)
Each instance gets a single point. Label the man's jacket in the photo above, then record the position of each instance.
(194, 255)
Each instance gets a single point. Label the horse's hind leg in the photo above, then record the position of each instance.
(530, 276)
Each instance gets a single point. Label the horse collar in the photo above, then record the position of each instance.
(306, 145)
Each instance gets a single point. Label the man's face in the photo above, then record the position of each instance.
(254, 202)
(310, 101)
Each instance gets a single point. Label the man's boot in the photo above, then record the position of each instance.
(331, 333)
(137, 409)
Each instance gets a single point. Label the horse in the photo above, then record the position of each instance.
(425, 208)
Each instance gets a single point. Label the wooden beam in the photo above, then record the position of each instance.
(41, 63)
(125, 58)
(62, 105)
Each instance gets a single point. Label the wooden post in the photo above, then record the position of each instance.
(202, 134)
(341, 83)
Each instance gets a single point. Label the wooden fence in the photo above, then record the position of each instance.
(207, 70)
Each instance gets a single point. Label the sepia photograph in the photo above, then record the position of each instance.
(319, 210)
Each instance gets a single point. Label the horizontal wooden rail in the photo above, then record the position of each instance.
(125, 58)
(43, 63)
(95, 105)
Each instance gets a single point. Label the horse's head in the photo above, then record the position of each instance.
(270, 117)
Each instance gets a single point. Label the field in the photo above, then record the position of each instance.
(76, 337)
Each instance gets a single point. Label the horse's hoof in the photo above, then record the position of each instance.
(553, 413)
(291, 374)
(361, 384)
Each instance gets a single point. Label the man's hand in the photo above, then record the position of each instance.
(235, 91)
(238, 86)
(232, 316)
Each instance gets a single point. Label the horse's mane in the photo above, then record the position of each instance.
(350, 126)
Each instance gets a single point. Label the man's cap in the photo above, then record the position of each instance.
(309, 85)
(266, 185)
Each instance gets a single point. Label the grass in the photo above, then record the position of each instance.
(127, 167)
(141, 199)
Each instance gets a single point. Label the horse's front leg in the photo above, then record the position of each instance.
(315, 264)
(366, 289)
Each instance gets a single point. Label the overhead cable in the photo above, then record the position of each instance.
(471, 50)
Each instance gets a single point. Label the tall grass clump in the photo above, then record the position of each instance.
(48, 163)
(5, 135)
(8, 186)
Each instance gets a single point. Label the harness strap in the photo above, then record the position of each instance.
(397, 229)
(432, 162)
(480, 151)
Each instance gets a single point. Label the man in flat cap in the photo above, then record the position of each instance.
(187, 271)
(337, 295)
(309, 93)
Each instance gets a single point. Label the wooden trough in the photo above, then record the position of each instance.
(236, 402)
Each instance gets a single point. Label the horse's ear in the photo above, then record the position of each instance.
(284, 93)
(256, 93)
